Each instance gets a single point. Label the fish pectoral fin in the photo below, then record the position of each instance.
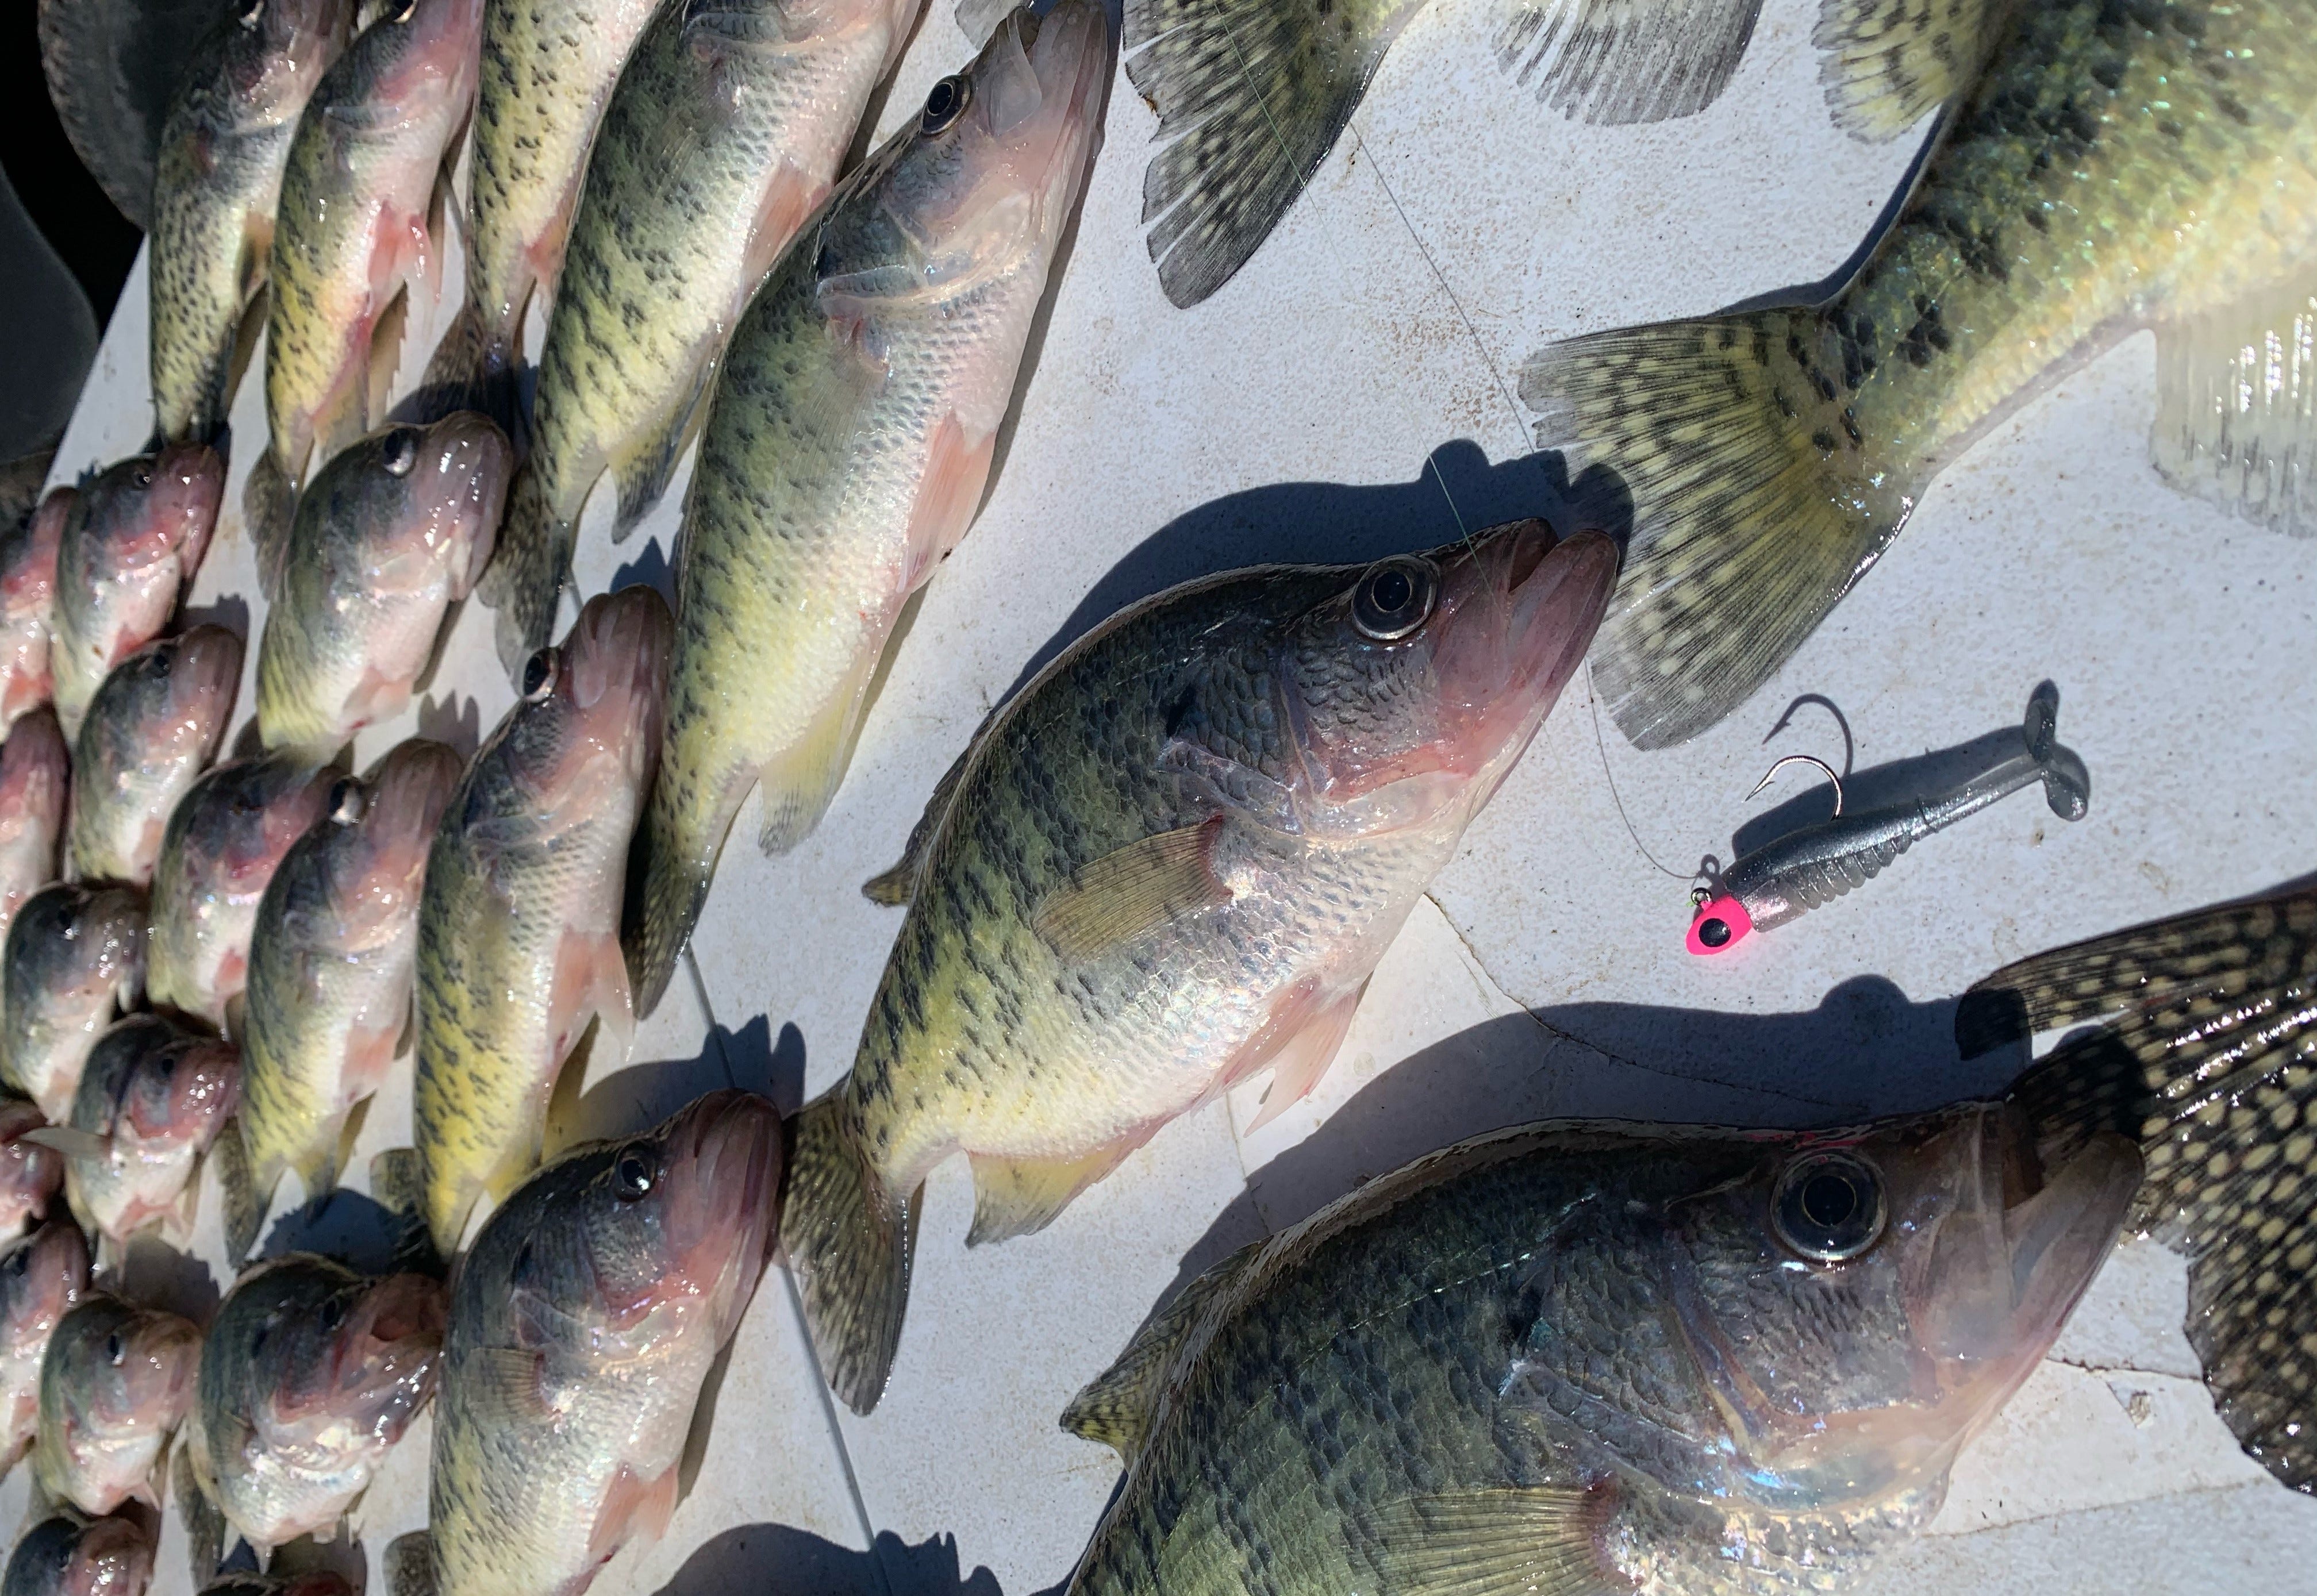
(1536, 1540)
(1883, 67)
(1020, 1196)
(1303, 1059)
(634, 1506)
(591, 979)
(1117, 1407)
(1111, 901)
(205, 1528)
(410, 1566)
(68, 1141)
(957, 469)
(1617, 62)
(505, 1385)
(1251, 96)
(2236, 416)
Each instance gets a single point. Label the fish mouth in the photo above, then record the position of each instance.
(204, 665)
(618, 646)
(724, 1166)
(188, 485)
(474, 465)
(1068, 53)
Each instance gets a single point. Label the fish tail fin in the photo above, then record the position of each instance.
(245, 1185)
(1617, 62)
(2067, 784)
(849, 1244)
(269, 504)
(525, 577)
(473, 367)
(205, 1527)
(397, 1183)
(2203, 1057)
(642, 477)
(669, 867)
(1757, 503)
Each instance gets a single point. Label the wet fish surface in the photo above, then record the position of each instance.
(66, 1555)
(848, 445)
(518, 921)
(332, 963)
(41, 1276)
(74, 955)
(583, 1322)
(389, 535)
(131, 544)
(724, 133)
(217, 178)
(1590, 1356)
(30, 1175)
(35, 785)
(352, 238)
(153, 1097)
(27, 594)
(222, 844)
(551, 66)
(115, 1386)
(2106, 169)
(151, 730)
(1171, 861)
(309, 1375)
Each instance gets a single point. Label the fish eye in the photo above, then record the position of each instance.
(19, 1261)
(345, 806)
(142, 478)
(116, 1350)
(945, 105)
(247, 12)
(333, 1312)
(634, 1172)
(1394, 598)
(401, 452)
(539, 676)
(1829, 1207)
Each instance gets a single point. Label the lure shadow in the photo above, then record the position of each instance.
(1458, 490)
(777, 1560)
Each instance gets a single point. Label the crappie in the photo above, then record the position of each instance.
(725, 132)
(30, 1175)
(35, 781)
(111, 65)
(847, 447)
(352, 237)
(41, 1276)
(518, 923)
(27, 593)
(331, 967)
(115, 1386)
(152, 1098)
(389, 535)
(66, 1555)
(224, 840)
(552, 66)
(152, 729)
(215, 180)
(72, 956)
(2110, 168)
(1582, 1358)
(309, 1376)
(583, 1324)
(1170, 862)
(127, 552)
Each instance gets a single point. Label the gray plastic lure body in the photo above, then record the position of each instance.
(1818, 863)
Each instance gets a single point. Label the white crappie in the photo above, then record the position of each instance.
(28, 596)
(41, 1276)
(35, 782)
(115, 1383)
(30, 1175)
(74, 955)
(66, 1555)
(151, 729)
(847, 447)
(152, 1098)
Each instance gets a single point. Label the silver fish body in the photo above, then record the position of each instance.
(583, 1323)
(309, 1375)
(41, 1276)
(127, 553)
(518, 923)
(74, 955)
(153, 1097)
(115, 1383)
(332, 962)
(151, 729)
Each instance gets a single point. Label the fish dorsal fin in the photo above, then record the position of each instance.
(1110, 901)
(2236, 416)
(1536, 1540)
(1886, 65)
(2205, 1062)
(1617, 62)
(1117, 1407)
(898, 885)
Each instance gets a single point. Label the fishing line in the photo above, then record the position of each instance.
(1593, 705)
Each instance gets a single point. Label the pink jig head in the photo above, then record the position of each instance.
(1719, 924)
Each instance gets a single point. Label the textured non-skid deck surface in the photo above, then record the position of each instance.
(1346, 396)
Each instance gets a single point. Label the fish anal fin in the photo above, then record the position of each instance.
(1126, 893)
(505, 1388)
(1117, 1407)
(642, 475)
(1617, 62)
(1886, 65)
(795, 786)
(1300, 1061)
(2236, 416)
(1536, 1540)
(1020, 1196)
